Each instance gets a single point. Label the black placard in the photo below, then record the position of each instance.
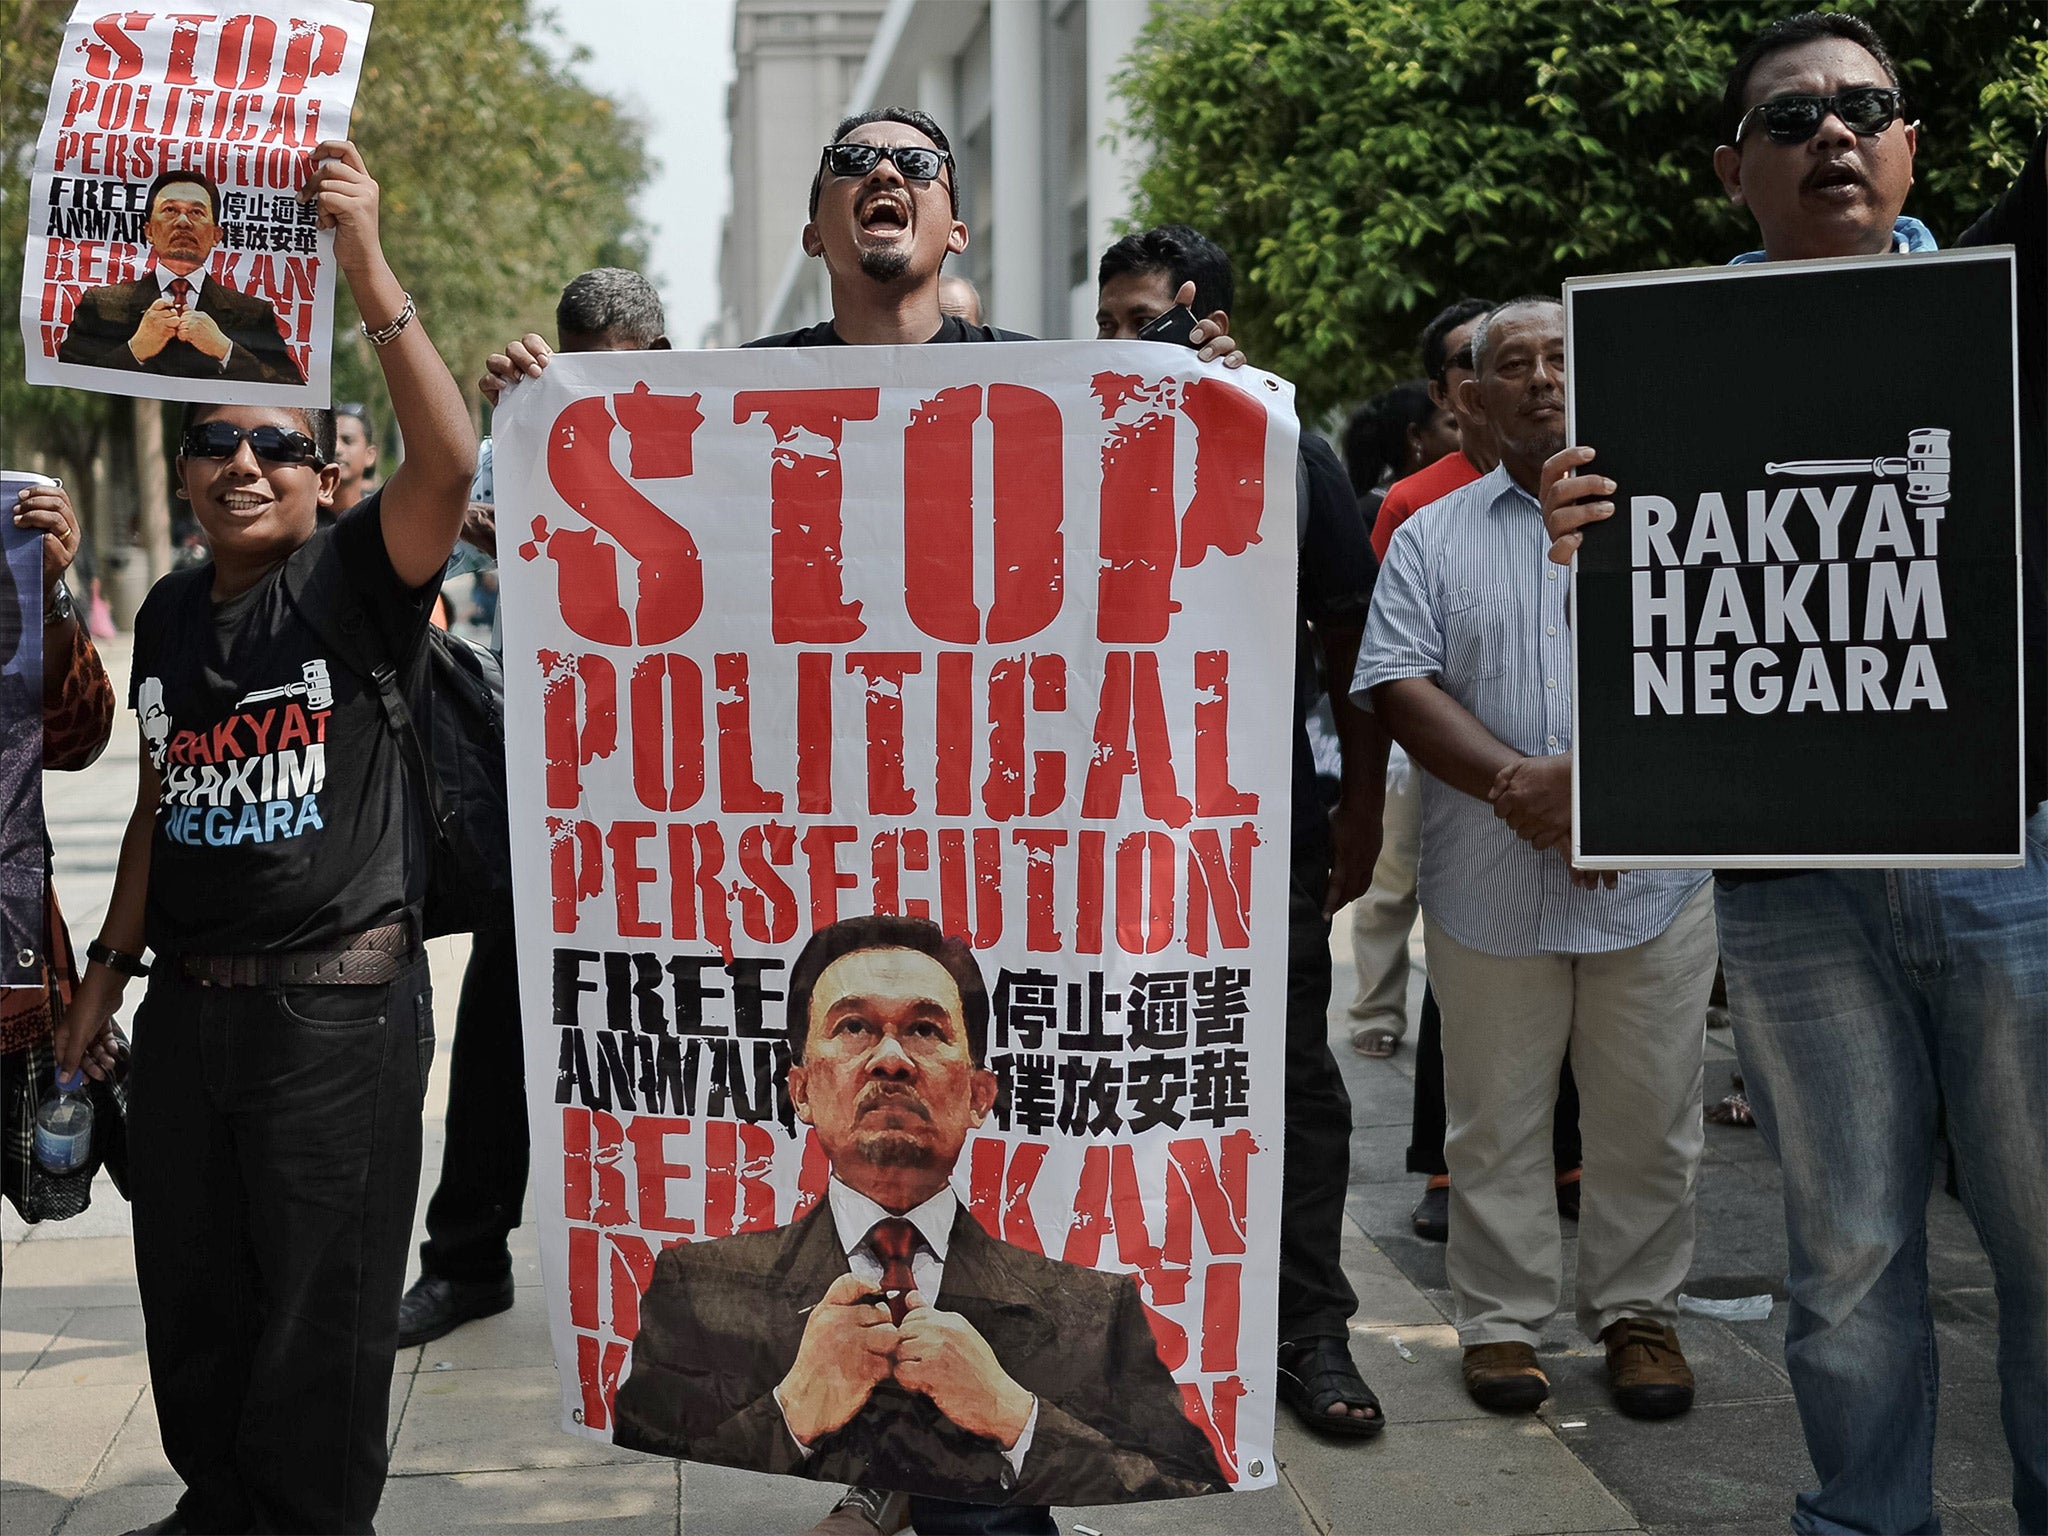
(1822, 699)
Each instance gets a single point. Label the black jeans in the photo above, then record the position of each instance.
(1316, 1301)
(1426, 1137)
(483, 1162)
(276, 1141)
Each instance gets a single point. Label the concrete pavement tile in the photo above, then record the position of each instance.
(55, 1439)
(1379, 1154)
(1385, 1295)
(570, 1501)
(517, 1337)
(74, 1272)
(25, 1332)
(1426, 1390)
(137, 1456)
(1741, 1234)
(109, 1511)
(1728, 1464)
(492, 1421)
(96, 1344)
(1472, 1478)
(724, 1501)
(26, 1511)
(1994, 1517)
(1269, 1512)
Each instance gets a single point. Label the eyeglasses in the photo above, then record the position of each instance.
(223, 440)
(915, 161)
(1865, 110)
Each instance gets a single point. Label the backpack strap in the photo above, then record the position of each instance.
(312, 586)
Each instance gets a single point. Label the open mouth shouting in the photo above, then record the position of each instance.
(884, 215)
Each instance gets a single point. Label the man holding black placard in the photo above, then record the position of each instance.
(1863, 999)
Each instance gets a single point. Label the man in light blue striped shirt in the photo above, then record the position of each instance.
(1467, 658)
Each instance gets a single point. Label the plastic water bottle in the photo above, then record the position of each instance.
(63, 1138)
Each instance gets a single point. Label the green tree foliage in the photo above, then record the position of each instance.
(1367, 161)
(503, 176)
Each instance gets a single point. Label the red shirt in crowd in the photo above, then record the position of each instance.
(1407, 497)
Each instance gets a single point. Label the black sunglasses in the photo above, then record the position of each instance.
(1865, 110)
(915, 161)
(223, 440)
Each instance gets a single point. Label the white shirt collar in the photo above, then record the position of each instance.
(854, 1216)
(165, 277)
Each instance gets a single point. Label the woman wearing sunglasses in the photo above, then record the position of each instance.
(274, 863)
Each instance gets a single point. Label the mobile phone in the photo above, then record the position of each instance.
(1176, 326)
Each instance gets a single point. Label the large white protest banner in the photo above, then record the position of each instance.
(168, 253)
(898, 749)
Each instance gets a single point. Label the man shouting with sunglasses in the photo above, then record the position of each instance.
(276, 862)
(1863, 999)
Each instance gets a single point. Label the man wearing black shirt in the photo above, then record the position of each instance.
(1864, 999)
(276, 863)
(1140, 278)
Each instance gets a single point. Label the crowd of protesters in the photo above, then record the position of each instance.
(281, 1050)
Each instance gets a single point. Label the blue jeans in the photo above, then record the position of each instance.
(1862, 998)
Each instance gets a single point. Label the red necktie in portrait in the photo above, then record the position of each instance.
(181, 294)
(893, 1241)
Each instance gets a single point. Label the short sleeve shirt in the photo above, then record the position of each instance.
(287, 817)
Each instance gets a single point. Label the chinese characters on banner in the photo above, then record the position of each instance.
(1798, 638)
(22, 895)
(996, 642)
(168, 252)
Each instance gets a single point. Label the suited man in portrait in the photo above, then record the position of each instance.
(175, 319)
(885, 1339)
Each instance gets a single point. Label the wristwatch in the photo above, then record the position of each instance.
(58, 607)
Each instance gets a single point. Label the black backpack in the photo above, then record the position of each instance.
(451, 734)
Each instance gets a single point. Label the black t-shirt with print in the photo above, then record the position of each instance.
(287, 818)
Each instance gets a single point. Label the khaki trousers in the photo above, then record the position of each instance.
(1384, 917)
(1635, 1021)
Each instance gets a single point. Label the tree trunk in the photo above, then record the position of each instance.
(152, 488)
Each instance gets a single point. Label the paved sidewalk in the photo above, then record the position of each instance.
(475, 1447)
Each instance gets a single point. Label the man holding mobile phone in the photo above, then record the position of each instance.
(1152, 287)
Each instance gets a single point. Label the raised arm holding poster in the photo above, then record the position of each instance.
(1798, 638)
(168, 252)
(902, 940)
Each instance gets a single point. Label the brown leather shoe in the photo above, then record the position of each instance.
(1646, 1370)
(1505, 1377)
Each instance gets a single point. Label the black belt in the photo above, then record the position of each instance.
(372, 958)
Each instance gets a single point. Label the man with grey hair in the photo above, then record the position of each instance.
(1467, 659)
(466, 1261)
(611, 309)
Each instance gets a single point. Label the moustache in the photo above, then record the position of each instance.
(895, 1095)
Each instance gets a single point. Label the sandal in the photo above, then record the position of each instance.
(1378, 1042)
(1316, 1375)
(1734, 1109)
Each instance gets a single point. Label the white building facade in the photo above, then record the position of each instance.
(1022, 88)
